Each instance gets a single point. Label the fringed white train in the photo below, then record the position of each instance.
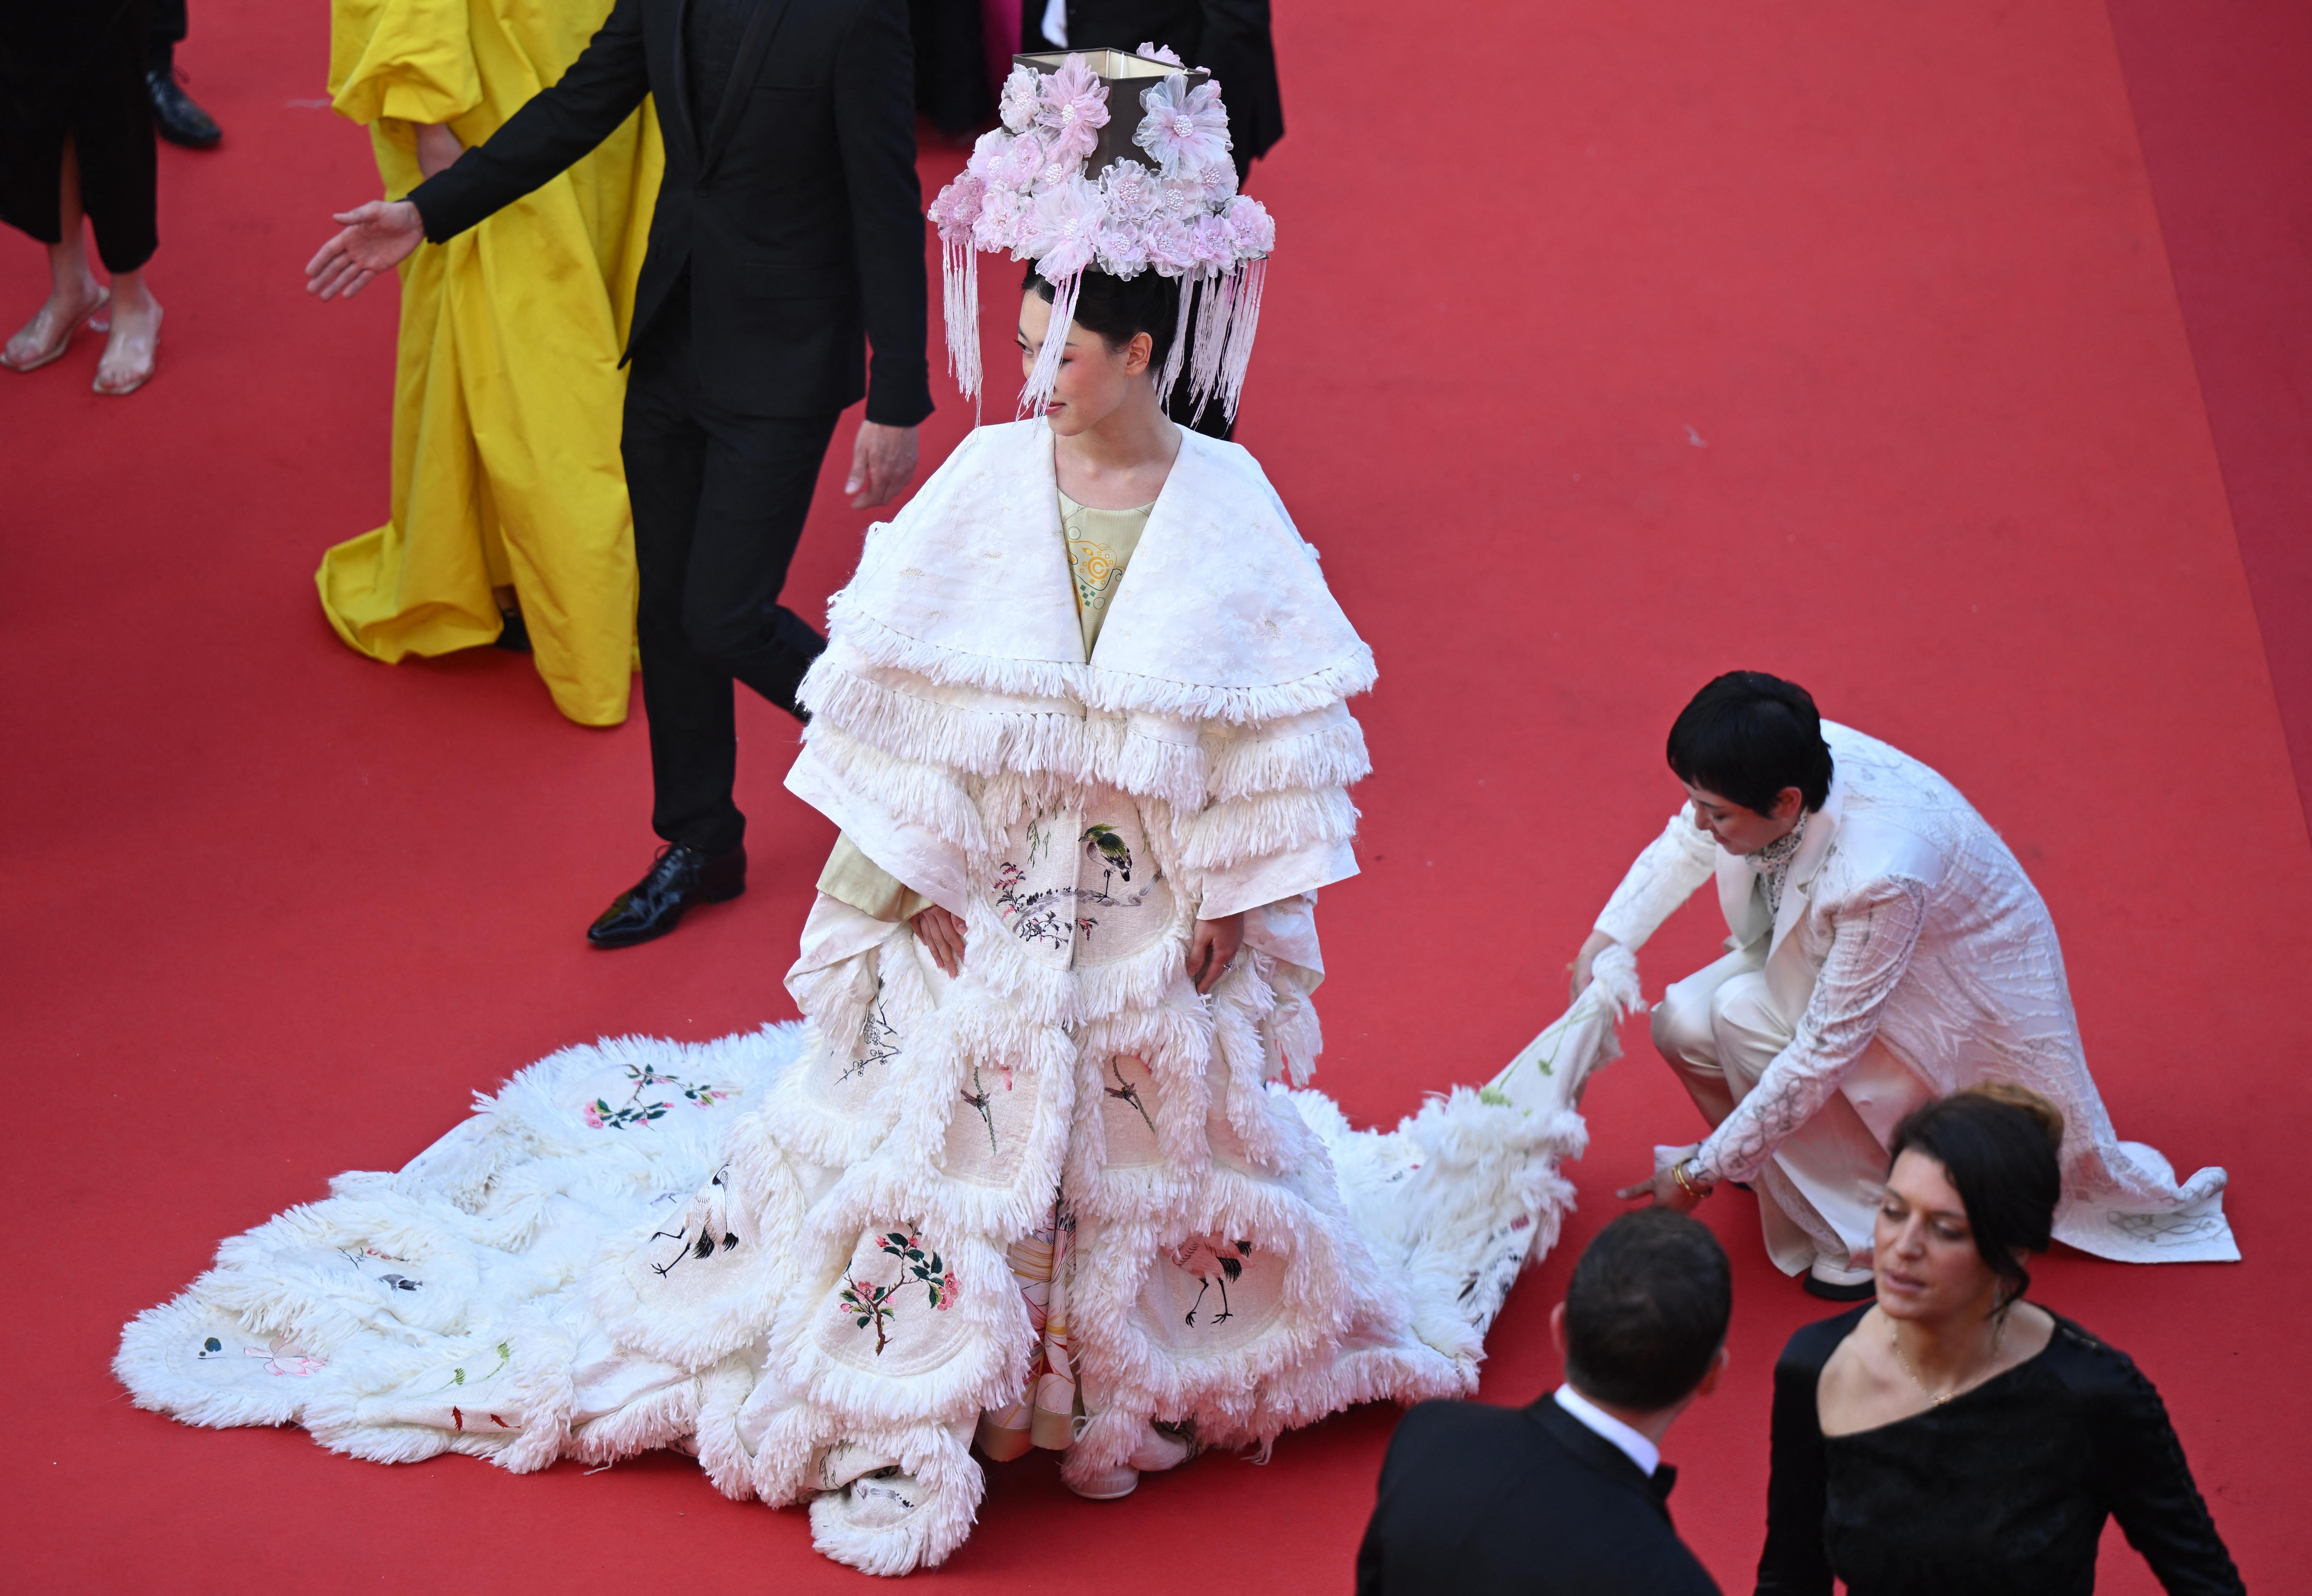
(484, 1298)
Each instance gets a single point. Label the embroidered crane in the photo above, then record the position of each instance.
(1212, 1263)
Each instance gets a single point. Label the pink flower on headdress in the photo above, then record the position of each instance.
(956, 211)
(1019, 164)
(1020, 91)
(1122, 249)
(1159, 52)
(1061, 230)
(1133, 194)
(1251, 227)
(1070, 109)
(1172, 246)
(1212, 244)
(1185, 129)
(997, 228)
(1219, 183)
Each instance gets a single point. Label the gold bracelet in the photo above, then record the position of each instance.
(1677, 1173)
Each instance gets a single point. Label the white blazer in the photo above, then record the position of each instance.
(1907, 923)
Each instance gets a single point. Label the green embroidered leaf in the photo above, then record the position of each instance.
(1494, 1095)
(456, 1377)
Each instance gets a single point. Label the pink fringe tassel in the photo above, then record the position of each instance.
(959, 305)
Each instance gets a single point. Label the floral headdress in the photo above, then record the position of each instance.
(1055, 185)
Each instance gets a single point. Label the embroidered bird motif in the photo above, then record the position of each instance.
(1212, 1263)
(1108, 848)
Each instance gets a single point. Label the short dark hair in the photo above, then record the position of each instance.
(1116, 307)
(1747, 736)
(1647, 1309)
(1999, 1146)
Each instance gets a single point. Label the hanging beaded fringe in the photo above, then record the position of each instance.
(1037, 393)
(1177, 356)
(1224, 335)
(960, 283)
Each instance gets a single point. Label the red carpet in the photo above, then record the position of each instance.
(1610, 346)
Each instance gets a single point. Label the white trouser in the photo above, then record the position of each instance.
(1719, 1028)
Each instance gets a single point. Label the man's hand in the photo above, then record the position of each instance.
(882, 462)
(1212, 949)
(1597, 943)
(942, 933)
(438, 149)
(378, 237)
(1664, 1189)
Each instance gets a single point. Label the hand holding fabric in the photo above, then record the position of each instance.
(941, 931)
(378, 237)
(1212, 947)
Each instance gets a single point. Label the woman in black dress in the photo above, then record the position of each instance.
(76, 140)
(1951, 1437)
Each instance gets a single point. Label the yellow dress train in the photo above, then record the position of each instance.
(507, 392)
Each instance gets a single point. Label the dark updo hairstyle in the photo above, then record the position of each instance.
(1647, 1309)
(1116, 307)
(1998, 1144)
(1747, 736)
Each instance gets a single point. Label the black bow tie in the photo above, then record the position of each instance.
(1664, 1476)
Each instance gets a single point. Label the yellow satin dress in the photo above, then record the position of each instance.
(507, 392)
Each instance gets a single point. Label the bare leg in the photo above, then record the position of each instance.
(74, 292)
(136, 342)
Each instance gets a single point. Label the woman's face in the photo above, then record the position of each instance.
(1924, 1250)
(1741, 830)
(1094, 381)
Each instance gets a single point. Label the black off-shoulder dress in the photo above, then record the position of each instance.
(2004, 1489)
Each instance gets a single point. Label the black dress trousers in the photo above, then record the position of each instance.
(720, 499)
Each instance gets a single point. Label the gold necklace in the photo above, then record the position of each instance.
(1998, 1334)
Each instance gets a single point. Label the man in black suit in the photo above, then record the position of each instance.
(788, 230)
(1567, 1498)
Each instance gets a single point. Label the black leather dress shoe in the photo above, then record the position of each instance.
(175, 116)
(655, 905)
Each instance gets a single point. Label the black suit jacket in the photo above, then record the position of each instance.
(797, 215)
(1228, 38)
(1484, 1500)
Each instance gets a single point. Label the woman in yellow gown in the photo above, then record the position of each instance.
(507, 390)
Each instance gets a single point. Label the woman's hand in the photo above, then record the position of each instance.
(942, 933)
(378, 237)
(438, 148)
(1664, 1187)
(1212, 949)
(1579, 968)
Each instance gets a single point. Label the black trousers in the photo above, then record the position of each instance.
(77, 71)
(719, 501)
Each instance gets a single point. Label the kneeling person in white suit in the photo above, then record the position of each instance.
(1885, 949)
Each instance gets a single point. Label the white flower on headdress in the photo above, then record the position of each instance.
(1184, 130)
(1018, 105)
(1159, 52)
(1070, 109)
(1061, 230)
(1220, 184)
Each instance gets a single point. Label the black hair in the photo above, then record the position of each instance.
(1747, 736)
(1116, 307)
(1998, 1144)
(1646, 1310)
